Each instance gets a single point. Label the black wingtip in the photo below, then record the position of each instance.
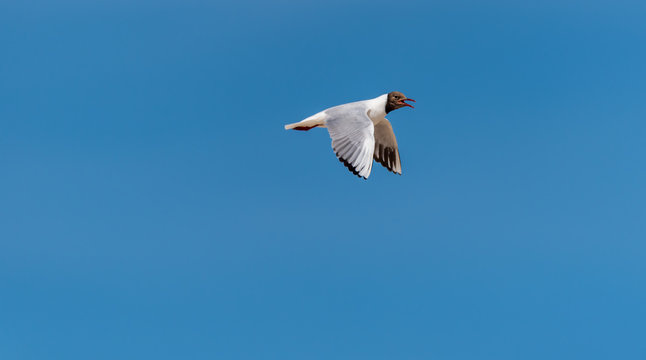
(350, 167)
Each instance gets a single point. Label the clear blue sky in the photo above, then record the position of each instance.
(153, 207)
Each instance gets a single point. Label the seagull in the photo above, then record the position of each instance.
(360, 131)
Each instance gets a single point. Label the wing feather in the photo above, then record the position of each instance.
(352, 134)
(386, 150)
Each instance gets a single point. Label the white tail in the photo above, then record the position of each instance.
(317, 120)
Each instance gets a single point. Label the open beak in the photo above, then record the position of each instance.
(409, 105)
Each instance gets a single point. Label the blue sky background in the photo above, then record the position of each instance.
(153, 207)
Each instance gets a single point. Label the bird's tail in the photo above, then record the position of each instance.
(307, 124)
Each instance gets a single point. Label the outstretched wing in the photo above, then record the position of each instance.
(352, 134)
(386, 150)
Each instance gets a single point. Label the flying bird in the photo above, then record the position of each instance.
(361, 132)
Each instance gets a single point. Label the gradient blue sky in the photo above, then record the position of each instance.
(153, 207)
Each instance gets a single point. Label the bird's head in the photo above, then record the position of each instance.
(396, 100)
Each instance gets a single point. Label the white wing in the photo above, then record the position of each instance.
(352, 134)
(386, 150)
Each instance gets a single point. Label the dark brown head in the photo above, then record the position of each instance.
(396, 101)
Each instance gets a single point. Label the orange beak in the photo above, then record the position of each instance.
(409, 105)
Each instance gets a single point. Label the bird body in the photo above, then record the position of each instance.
(361, 132)
(375, 106)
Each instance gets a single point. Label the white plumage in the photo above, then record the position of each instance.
(360, 133)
